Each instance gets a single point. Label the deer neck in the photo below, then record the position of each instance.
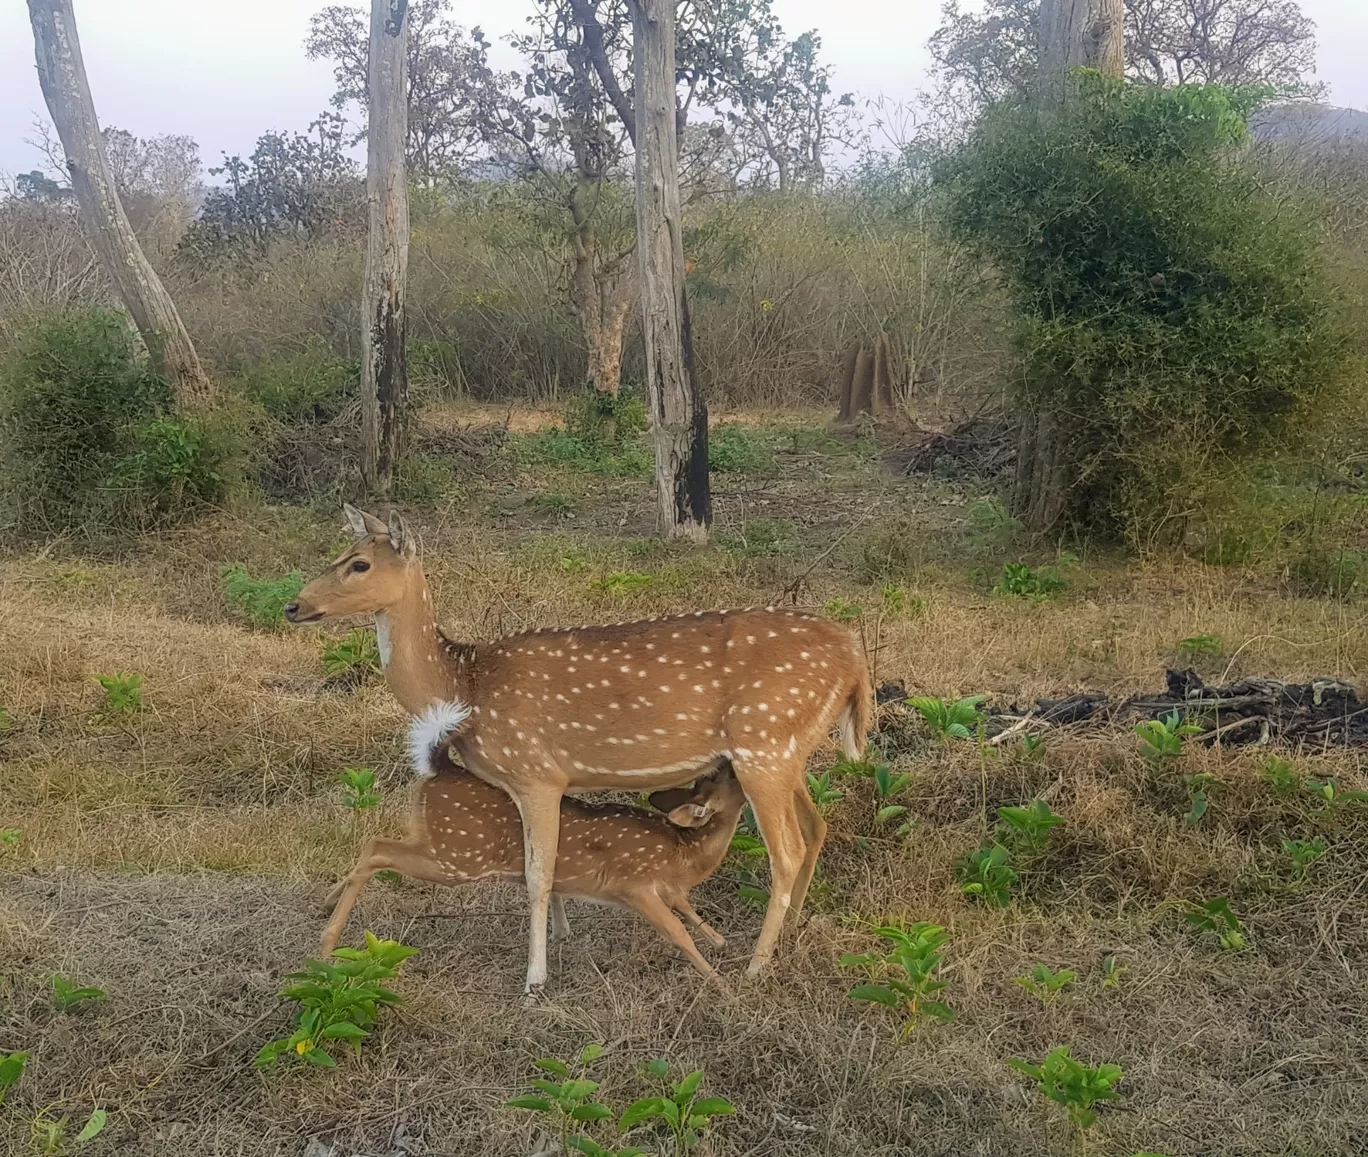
(420, 666)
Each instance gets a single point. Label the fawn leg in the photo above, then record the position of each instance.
(410, 859)
(668, 925)
(814, 829)
(695, 921)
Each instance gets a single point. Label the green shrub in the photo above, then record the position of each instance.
(89, 436)
(733, 448)
(1169, 308)
(260, 601)
(311, 384)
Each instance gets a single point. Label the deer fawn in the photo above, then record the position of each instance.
(635, 705)
(463, 830)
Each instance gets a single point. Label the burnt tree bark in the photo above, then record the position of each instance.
(384, 371)
(61, 73)
(1073, 34)
(678, 412)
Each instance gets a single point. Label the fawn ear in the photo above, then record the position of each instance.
(400, 536)
(670, 799)
(691, 815)
(361, 523)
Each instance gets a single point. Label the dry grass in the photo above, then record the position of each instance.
(175, 856)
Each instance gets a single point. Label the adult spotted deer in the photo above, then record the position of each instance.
(463, 830)
(635, 705)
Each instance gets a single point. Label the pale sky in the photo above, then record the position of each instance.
(224, 71)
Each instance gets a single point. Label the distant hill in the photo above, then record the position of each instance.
(1309, 124)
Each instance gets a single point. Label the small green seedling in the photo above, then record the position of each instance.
(823, 794)
(1112, 973)
(339, 1002)
(1032, 747)
(745, 844)
(1030, 826)
(623, 582)
(1304, 853)
(886, 786)
(355, 654)
(50, 1133)
(988, 875)
(1076, 1086)
(568, 1101)
(1045, 983)
(1280, 774)
(1331, 796)
(680, 1109)
(948, 719)
(67, 996)
(907, 977)
(11, 1069)
(1215, 916)
(1161, 740)
(1200, 646)
(1199, 785)
(1021, 580)
(123, 693)
(11, 837)
(358, 788)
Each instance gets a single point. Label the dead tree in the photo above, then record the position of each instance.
(678, 412)
(1073, 34)
(61, 73)
(384, 373)
(867, 385)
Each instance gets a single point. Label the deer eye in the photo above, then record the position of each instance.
(359, 565)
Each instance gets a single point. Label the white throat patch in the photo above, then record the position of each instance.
(431, 730)
(384, 642)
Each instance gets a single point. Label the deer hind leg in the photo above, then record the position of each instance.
(698, 924)
(770, 791)
(560, 926)
(414, 860)
(668, 925)
(541, 835)
(814, 829)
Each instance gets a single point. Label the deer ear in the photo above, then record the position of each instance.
(691, 815)
(671, 799)
(400, 537)
(361, 523)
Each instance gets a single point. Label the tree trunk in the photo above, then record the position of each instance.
(61, 73)
(1073, 34)
(1079, 34)
(679, 415)
(384, 372)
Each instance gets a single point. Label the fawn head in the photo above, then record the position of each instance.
(371, 575)
(692, 807)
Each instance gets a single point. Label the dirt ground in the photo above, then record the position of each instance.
(176, 857)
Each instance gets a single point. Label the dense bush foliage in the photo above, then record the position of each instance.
(1169, 311)
(89, 435)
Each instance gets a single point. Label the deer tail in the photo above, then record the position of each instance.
(858, 712)
(431, 733)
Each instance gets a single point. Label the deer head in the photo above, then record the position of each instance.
(692, 807)
(373, 575)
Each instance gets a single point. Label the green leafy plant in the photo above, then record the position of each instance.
(1304, 853)
(123, 693)
(823, 794)
(623, 582)
(1199, 785)
(1045, 983)
(261, 601)
(905, 977)
(1331, 797)
(50, 1133)
(1216, 917)
(10, 837)
(842, 610)
(339, 1002)
(1161, 740)
(68, 996)
(11, 1069)
(735, 449)
(745, 844)
(1280, 774)
(1200, 646)
(569, 1100)
(950, 719)
(1030, 826)
(1021, 580)
(1070, 1083)
(887, 787)
(988, 875)
(358, 788)
(1112, 972)
(680, 1109)
(355, 654)
(1032, 747)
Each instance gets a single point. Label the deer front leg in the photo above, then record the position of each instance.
(698, 924)
(541, 835)
(560, 926)
(776, 816)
